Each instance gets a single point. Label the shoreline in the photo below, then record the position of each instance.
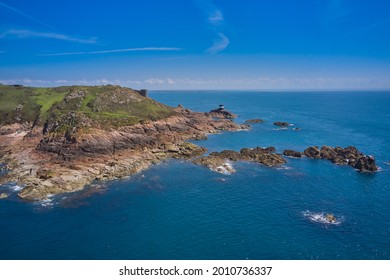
(50, 167)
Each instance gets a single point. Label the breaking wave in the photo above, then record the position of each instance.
(322, 218)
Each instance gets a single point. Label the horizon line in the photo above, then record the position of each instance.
(171, 90)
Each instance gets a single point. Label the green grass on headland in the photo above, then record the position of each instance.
(105, 106)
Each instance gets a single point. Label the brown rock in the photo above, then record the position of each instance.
(254, 121)
(292, 153)
(366, 164)
(312, 152)
(281, 124)
(221, 113)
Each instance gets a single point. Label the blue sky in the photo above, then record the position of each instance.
(197, 44)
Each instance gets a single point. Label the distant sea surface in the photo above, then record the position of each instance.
(177, 210)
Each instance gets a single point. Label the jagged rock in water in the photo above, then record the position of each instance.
(312, 152)
(344, 156)
(292, 153)
(281, 124)
(216, 163)
(221, 113)
(265, 156)
(366, 164)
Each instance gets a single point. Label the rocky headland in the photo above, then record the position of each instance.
(91, 133)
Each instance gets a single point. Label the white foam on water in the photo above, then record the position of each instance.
(320, 217)
(226, 169)
(46, 203)
(283, 168)
(16, 188)
(282, 128)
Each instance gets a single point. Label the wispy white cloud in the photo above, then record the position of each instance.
(13, 9)
(17, 33)
(216, 17)
(220, 43)
(24, 33)
(216, 20)
(114, 51)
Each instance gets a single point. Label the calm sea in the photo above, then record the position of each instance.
(176, 210)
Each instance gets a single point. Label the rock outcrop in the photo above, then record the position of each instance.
(292, 153)
(265, 156)
(312, 152)
(281, 124)
(221, 113)
(344, 156)
(216, 163)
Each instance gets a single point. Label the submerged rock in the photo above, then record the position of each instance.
(3, 195)
(330, 218)
(254, 121)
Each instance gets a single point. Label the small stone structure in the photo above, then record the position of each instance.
(143, 92)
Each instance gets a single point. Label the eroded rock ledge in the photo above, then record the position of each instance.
(219, 161)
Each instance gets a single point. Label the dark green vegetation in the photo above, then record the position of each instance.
(58, 109)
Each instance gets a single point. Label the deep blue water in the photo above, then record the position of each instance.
(176, 210)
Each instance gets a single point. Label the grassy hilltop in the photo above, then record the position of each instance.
(100, 106)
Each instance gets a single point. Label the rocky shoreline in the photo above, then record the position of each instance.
(49, 164)
(220, 161)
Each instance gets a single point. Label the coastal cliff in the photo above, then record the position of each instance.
(57, 140)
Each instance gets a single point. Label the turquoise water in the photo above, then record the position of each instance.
(176, 210)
